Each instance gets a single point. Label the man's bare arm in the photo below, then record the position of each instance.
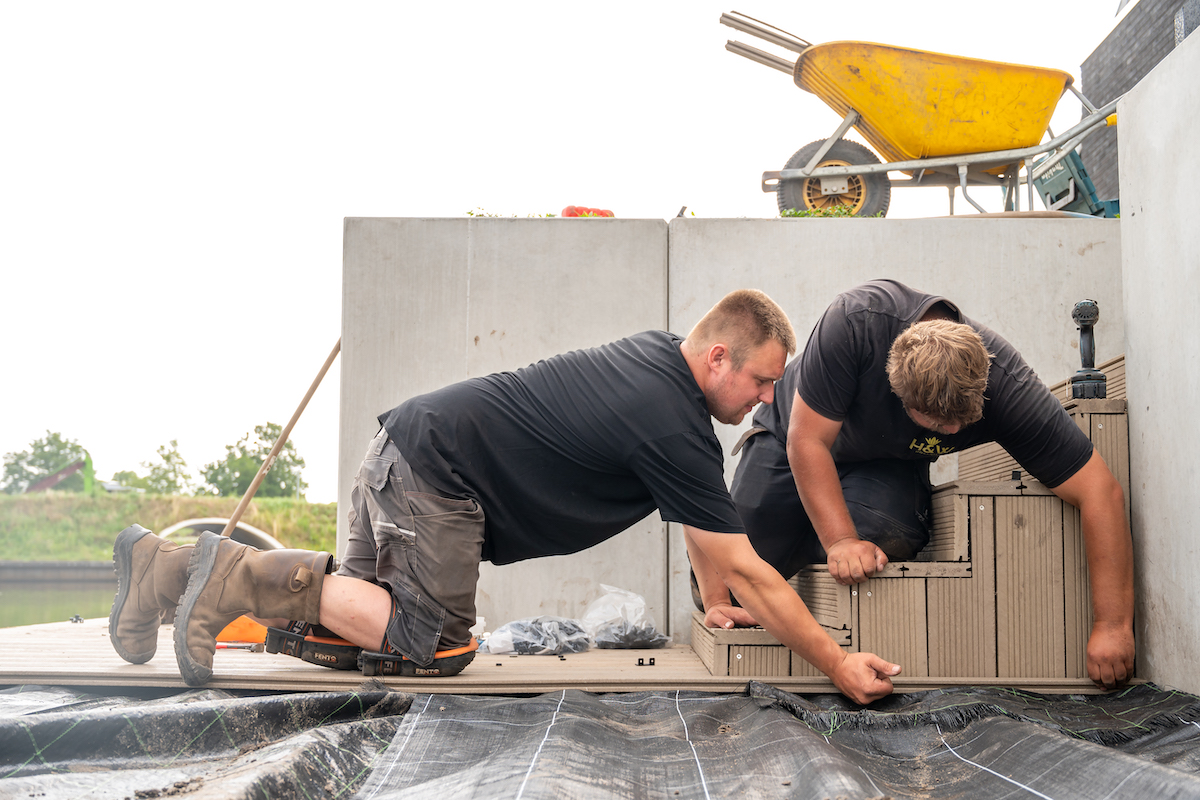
(809, 451)
(863, 677)
(1101, 503)
(719, 610)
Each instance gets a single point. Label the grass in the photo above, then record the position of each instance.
(59, 526)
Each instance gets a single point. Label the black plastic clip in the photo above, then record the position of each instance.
(642, 662)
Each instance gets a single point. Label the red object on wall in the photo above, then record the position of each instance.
(583, 211)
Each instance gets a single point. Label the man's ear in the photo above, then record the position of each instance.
(718, 357)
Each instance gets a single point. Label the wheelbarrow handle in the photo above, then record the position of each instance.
(766, 59)
(754, 27)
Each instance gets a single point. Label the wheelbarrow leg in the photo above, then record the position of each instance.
(962, 182)
(850, 119)
(1029, 180)
(1012, 193)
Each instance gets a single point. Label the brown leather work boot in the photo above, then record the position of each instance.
(227, 579)
(151, 575)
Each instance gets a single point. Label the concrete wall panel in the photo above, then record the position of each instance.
(1160, 170)
(427, 302)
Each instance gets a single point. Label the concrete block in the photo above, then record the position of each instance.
(427, 302)
(1022, 277)
(1160, 170)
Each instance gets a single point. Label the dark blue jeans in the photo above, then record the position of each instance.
(888, 499)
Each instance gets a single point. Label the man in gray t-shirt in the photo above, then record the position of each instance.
(839, 470)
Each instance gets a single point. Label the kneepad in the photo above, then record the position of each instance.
(314, 644)
(445, 663)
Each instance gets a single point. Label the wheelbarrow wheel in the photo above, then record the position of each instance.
(865, 195)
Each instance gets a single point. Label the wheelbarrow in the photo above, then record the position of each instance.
(938, 119)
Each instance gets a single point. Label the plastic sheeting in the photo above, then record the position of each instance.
(963, 743)
(58, 743)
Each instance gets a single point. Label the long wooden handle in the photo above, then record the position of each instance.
(279, 443)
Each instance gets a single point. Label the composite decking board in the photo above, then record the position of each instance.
(962, 613)
(892, 622)
(827, 600)
(748, 660)
(79, 655)
(948, 539)
(1077, 594)
(1029, 587)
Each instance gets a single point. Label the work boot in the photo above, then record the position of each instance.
(227, 579)
(151, 575)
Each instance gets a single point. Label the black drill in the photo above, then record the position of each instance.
(1088, 382)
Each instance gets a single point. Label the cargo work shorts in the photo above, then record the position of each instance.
(423, 547)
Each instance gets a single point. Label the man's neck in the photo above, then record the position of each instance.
(696, 362)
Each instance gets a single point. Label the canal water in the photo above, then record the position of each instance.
(31, 594)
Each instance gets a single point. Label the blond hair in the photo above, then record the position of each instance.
(940, 368)
(743, 321)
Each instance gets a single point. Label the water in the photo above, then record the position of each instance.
(35, 602)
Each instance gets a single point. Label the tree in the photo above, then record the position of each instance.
(45, 456)
(232, 475)
(169, 474)
(129, 478)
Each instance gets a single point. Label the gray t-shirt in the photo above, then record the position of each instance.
(572, 450)
(842, 376)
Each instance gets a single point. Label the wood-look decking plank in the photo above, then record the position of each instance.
(79, 654)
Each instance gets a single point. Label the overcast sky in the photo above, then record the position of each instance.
(175, 175)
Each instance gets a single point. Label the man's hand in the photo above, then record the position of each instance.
(854, 560)
(1110, 655)
(727, 615)
(864, 677)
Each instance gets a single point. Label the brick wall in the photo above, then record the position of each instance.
(1143, 38)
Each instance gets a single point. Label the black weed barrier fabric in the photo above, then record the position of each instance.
(57, 743)
(763, 743)
(972, 743)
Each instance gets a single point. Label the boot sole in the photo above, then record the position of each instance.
(200, 568)
(123, 566)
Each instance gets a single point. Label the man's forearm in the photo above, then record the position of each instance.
(784, 615)
(713, 590)
(820, 491)
(1110, 561)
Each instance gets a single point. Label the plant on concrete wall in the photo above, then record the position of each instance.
(479, 212)
(831, 211)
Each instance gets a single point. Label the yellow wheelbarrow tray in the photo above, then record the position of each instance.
(943, 120)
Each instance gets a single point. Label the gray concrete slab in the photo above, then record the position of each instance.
(427, 302)
(1020, 276)
(1160, 173)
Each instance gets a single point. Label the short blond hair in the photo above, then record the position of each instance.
(940, 368)
(743, 321)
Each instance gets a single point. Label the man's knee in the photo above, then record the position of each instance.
(899, 540)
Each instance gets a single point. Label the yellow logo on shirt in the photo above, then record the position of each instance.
(930, 446)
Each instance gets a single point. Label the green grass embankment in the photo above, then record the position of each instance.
(56, 526)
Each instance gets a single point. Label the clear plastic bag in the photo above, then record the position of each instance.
(543, 635)
(619, 620)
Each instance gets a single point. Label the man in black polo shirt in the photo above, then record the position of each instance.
(546, 460)
(890, 379)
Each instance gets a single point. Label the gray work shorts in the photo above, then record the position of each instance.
(423, 547)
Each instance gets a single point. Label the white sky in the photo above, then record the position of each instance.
(175, 175)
